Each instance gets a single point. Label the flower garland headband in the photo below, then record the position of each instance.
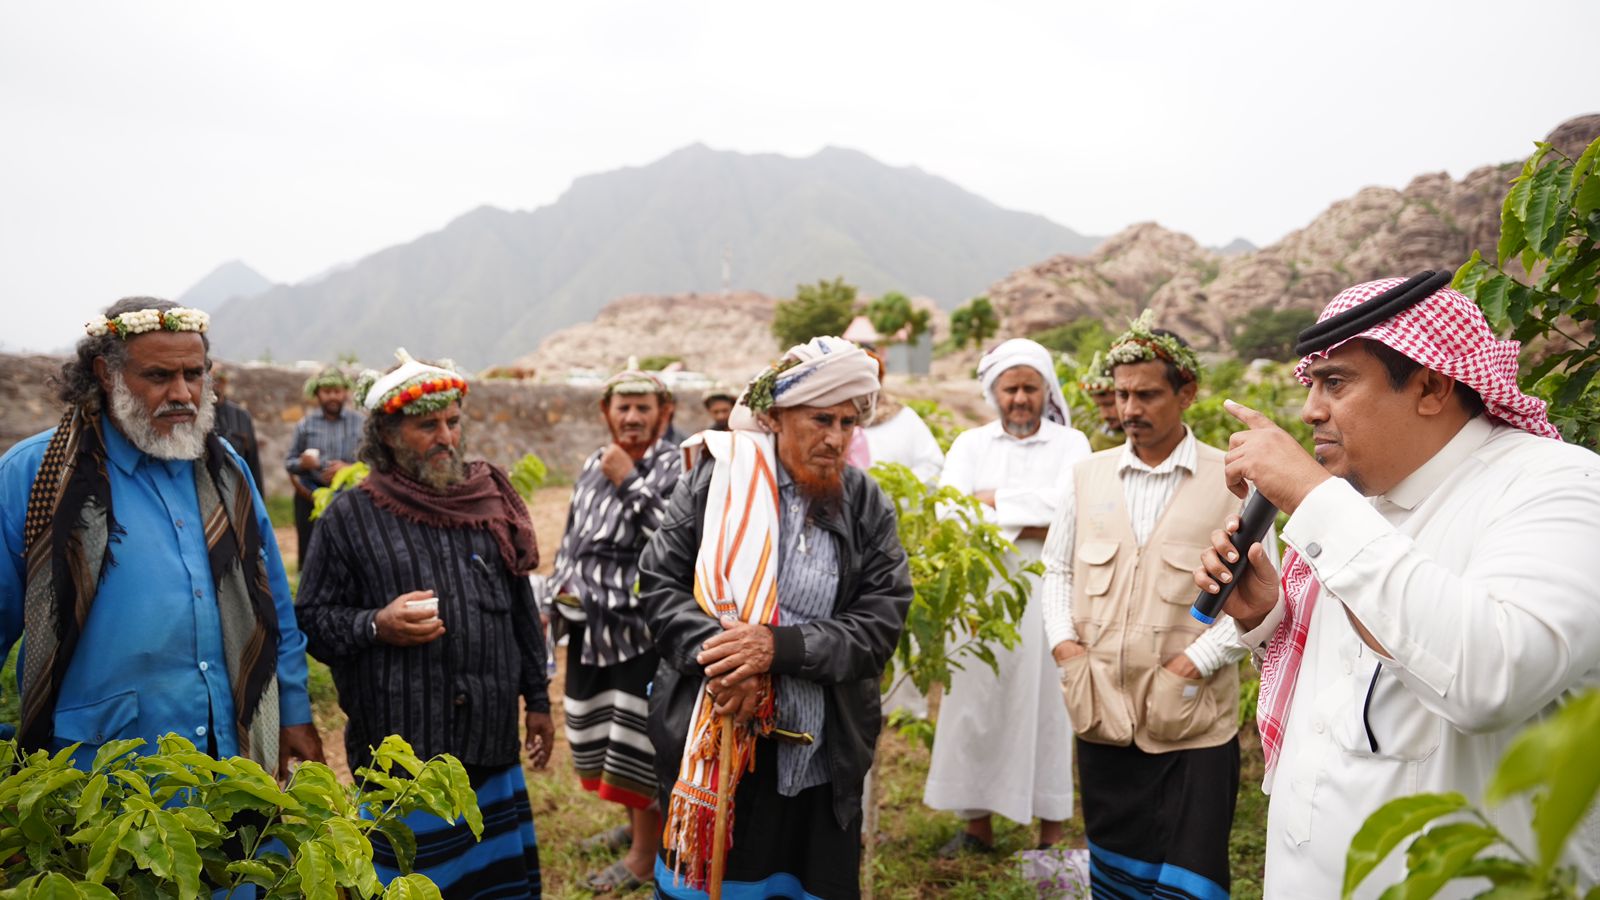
(332, 376)
(1097, 377)
(413, 388)
(139, 321)
(759, 393)
(1140, 344)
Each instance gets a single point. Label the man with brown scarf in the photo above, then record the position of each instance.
(416, 595)
(138, 561)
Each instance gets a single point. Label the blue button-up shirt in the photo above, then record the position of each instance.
(150, 659)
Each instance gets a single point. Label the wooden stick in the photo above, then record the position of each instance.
(719, 840)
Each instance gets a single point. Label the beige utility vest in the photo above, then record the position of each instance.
(1130, 605)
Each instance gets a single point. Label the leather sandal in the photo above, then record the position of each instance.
(614, 877)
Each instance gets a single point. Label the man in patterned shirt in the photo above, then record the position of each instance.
(616, 507)
(323, 443)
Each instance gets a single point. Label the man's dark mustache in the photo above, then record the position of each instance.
(1135, 423)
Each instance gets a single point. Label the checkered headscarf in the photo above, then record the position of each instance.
(1447, 333)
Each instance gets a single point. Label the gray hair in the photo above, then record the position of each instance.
(76, 384)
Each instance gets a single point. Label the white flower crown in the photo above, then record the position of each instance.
(139, 321)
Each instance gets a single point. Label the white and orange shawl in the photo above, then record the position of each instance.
(735, 574)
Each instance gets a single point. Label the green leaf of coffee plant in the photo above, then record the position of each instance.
(1437, 856)
(1392, 823)
(110, 751)
(412, 887)
(316, 872)
(89, 802)
(402, 842)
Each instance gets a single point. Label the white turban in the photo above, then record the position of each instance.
(826, 371)
(1023, 352)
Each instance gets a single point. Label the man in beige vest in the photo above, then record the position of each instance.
(1151, 692)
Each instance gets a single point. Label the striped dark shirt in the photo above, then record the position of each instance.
(457, 694)
(607, 528)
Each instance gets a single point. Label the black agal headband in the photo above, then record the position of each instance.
(1359, 318)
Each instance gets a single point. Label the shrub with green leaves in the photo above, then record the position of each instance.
(529, 474)
(179, 823)
(1553, 760)
(1550, 225)
(967, 599)
(343, 480)
(940, 421)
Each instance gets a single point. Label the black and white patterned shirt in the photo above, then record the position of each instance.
(607, 528)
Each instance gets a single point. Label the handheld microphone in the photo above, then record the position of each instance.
(1253, 525)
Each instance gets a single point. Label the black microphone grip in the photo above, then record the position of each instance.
(1253, 524)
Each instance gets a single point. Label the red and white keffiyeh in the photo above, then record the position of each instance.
(1280, 665)
(1446, 333)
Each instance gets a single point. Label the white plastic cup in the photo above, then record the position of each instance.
(431, 604)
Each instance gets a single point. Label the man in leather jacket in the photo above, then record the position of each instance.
(797, 816)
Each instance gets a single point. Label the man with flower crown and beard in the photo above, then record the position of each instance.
(139, 566)
(416, 595)
(616, 506)
(776, 589)
(1440, 593)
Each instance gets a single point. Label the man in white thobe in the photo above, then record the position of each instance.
(1002, 743)
(1440, 594)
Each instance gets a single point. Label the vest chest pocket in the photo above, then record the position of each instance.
(1098, 563)
(1174, 576)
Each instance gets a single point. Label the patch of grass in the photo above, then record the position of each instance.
(280, 509)
(10, 712)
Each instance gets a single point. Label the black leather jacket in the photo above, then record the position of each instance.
(846, 652)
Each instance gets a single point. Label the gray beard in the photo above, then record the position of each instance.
(432, 475)
(1020, 430)
(186, 441)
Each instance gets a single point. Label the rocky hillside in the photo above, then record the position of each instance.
(1433, 222)
(490, 285)
(727, 336)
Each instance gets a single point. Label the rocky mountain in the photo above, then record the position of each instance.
(1433, 222)
(489, 285)
(229, 281)
(726, 336)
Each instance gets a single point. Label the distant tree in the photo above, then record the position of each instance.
(349, 358)
(1082, 338)
(892, 312)
(1270, 334)
(817, 309)
(657, 363)
(974, 323)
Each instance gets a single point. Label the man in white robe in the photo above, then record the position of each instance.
(1439, 592)
(1002, 743)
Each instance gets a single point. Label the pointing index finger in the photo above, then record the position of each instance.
(1248, 416)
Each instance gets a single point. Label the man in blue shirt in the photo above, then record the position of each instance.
(138, 560)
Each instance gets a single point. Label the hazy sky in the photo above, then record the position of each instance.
(142, 144)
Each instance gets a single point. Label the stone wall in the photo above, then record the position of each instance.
(506, 419)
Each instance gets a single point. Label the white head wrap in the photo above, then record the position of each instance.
(828, 371)
(409, 370)
(1023, 352)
